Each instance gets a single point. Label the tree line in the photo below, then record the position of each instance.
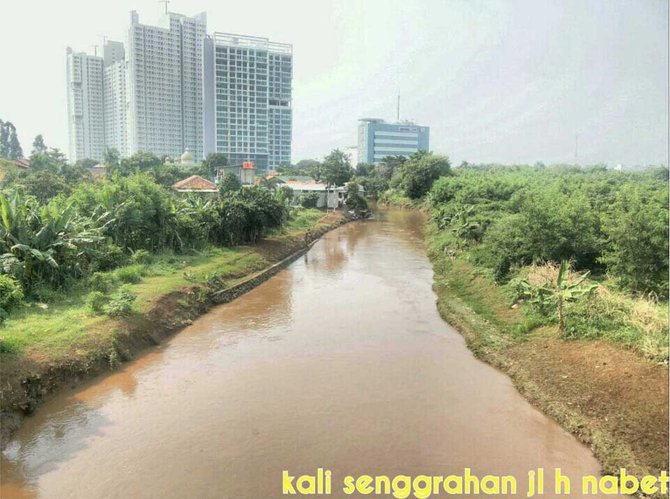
(608, 222)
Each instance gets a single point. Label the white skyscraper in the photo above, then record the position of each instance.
(164, 85)
(248, 83)
(115, 100)
(173, 88)
(85, 105)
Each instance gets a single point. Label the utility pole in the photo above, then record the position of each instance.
(398, 110)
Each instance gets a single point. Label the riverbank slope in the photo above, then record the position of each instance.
(49, 347)
(610, 397)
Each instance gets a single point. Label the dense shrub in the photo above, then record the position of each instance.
(49, 244)
(355, 200)
(101, 281)
(11, 295)
(229, 183)
(142, 211)
(415, 176)
(141, 256)
(600, 220)
(96, 302)
(284, 195)
(121, 303)
(309, 200)
(636, 227)
(131, 274)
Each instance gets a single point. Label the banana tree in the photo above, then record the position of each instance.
(46, 243)
(557, 294)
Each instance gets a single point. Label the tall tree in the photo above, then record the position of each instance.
(141, 161)
(111, 156)
(38, 144)
(4, 140)
(10, 147)
(416, 175)
(335, 169)
(214, 161)
(230, 183)
(53, 160)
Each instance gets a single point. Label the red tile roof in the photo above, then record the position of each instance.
(195, 183)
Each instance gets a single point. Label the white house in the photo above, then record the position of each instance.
(301, 185)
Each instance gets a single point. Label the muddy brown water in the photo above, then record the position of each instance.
(341, 361)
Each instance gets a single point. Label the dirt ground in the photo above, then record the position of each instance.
(619, 394)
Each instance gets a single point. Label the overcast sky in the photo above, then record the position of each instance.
(497, 81)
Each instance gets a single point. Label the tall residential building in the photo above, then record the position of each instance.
(165, 85)
(114, 97)
(248, 115)
(378, 139)
(172, 89)
(85, 105)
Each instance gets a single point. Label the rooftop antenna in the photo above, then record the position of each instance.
(398, 110)
(95, 50)
(166, 2)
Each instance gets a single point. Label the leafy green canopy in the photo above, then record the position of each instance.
(603, 221)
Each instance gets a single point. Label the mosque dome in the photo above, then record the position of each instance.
(187, 157)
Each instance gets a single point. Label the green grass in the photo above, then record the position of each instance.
(57, 329)
(301, 219)
(395, 198)
(636, 323)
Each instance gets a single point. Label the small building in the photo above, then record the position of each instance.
(245, 172)
(98, 172)
(332, 197)
(197, 184)
(22, 163)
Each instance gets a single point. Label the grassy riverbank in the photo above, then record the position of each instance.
(602, 390)
(46, 345)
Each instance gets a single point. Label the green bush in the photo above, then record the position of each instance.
(45, 294)
(96, 301)
(602, 221)
(636, 227)
(101, 281)
(354, 199)
(131, 274)
(11, 295)
(141, 256)
(111, 257)
(415, 176)
(309, 200)
(121, 303)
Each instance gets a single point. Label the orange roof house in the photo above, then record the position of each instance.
(195, 183)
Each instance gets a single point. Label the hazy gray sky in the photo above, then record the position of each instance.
(497, 81)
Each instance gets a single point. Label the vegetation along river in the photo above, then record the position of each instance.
(341, 361)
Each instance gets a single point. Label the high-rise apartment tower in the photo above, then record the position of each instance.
(248, 81)
(85, 105)
(164, 85)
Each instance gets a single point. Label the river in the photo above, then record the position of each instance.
(341, 361)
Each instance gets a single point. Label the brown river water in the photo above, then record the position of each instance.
(341, 361)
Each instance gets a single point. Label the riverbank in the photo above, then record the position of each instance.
(47, 348)
(609, 397)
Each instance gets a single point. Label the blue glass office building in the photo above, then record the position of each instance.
(378, 139)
